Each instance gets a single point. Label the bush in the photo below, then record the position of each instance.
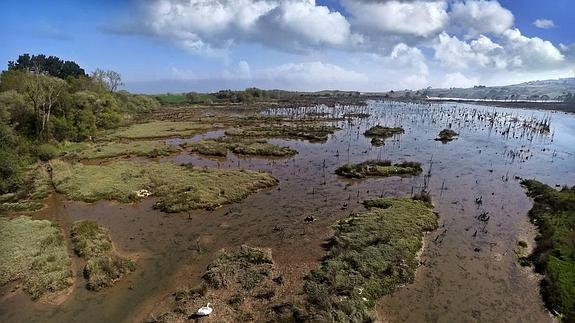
(45, 152)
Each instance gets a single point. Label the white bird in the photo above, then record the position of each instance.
(205, 310)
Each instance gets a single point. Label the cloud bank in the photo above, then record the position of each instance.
(412, 43)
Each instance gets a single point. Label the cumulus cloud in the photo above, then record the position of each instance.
(407, 43)
(514, 51)
(544, 23)
(417, 18)
(316, 74)
(204, 26)
(475, 17)
(458, 80)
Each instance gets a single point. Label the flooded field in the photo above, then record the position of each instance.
(469, 270)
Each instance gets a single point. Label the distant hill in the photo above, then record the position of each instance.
(546, 90)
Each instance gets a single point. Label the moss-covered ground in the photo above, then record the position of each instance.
(115, 149)
(309, 132)
(177, 188)
(446, 135)
(378, 134)
(251, 147)
(378, 168)
(553, 213)
(238, 283)
(34, 252)
(370, 254)
(104, 267)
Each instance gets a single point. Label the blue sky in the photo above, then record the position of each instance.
(371, 45)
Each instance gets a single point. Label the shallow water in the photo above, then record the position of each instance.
(469, 270)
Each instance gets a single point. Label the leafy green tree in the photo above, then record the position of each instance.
(52, 65)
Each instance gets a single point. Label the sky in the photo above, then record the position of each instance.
(364, 45)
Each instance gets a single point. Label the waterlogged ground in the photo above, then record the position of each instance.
(469, 270)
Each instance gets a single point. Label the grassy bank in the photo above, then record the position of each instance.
(370, 255)
(33, 251)
(250, 147)
(553, 213)
(378, 134)
(104, 267)
(378, 168)
(115, 149)
(160, 129)
(33, 191)
(178, 188)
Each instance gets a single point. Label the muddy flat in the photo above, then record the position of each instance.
(468, 269)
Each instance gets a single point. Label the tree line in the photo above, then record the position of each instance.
(45, 100)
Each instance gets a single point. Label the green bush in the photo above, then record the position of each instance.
(45, 152)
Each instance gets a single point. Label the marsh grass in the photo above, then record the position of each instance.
(35, 252)
(370, 255)
(251, 147)
(115, 149)
(553, 213)
(29, 198)
(104, 267)
(160, 129)
(238, 282)
(383, 132)
(178, 188)
(309, 132)
(378, 168)
(446, 135)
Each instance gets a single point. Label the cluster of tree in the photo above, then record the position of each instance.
(44, 100)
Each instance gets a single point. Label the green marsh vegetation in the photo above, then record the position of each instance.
(159, 129)
(382, 168)
(553, 213)
(31, 193)
(142, 148)
(178, 188)
(34, 252)
(252, 147)
(240, 282)
(446, 135)
(370, 255)
(378, 134)
(310, 132)
(104, 267)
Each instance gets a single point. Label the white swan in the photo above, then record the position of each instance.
(205, 310)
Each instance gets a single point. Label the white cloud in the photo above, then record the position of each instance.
(531, 53)
(207, 26)
(416, 18)
(316, 74)
(544, 23)
(475, 17)
(458, 80)
(456, 54)
(514, 51)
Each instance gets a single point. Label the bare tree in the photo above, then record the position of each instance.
(43, 91)
(111, 79)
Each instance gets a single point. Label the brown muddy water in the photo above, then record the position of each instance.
(469, 271)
